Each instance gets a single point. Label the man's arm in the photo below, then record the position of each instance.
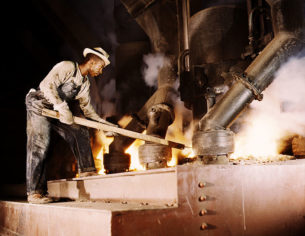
(57, 76)
(85, 104)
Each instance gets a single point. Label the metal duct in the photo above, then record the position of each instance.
(288, 24)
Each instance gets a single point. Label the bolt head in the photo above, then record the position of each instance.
(204, 226)
(203, 212)
(202, 198)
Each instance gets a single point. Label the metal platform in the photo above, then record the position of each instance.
(212, 200)
(157, 186)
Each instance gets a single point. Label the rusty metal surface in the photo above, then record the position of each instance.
(29, 219)
(63, 218)
(213, 200)
(153, 186)
(213, 142)
(298, 146)
(116, 162)
(219, 200)
(154, 156)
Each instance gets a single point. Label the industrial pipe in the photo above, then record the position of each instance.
(288, 27)
(186, 44)
(259, 74)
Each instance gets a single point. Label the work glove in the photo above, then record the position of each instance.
(108, 133)
(65, 115)
(106, 122)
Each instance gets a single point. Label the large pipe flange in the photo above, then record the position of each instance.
(213, 143)
(116, 162)
(154, 156)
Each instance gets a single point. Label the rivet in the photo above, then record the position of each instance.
(202, 198)
(203, 212)
(201, 184)
(204, 226)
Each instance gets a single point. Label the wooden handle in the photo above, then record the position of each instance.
(124, 132)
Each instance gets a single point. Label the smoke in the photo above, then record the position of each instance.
(279, 116)
(182, 128)
(284, 98)
(153, 64)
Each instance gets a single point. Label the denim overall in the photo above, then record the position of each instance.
(39, 134)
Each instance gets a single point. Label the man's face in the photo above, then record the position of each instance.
(96, 67)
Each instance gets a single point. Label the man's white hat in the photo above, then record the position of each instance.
(99, 52)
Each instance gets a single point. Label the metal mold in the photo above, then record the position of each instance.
(154, 155)
(116, 162)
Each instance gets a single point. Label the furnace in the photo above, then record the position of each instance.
(198, 157)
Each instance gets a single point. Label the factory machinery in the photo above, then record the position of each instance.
(225, 56)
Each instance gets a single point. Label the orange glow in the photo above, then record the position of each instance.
(100, 148)
(124, 121)
(260, 140)
(181, 133)
(132, 150)
(176, 132)
(100, 168)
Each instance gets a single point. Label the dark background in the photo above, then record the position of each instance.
(37, 34)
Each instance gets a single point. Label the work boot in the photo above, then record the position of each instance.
(37, 198)
(87, 173)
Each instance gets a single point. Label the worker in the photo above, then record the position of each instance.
(65, 83)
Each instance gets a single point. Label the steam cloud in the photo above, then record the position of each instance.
(284, 98)
(182, 128)
(279, 116)
(153, 64)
